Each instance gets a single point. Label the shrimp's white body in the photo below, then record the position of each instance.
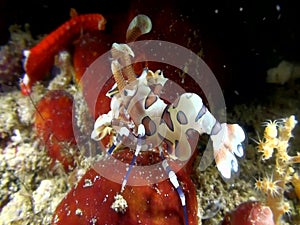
(139, 103)
(141, 120)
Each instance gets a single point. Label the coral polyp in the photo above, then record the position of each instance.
(275, 143)
(268, 185)
(271, 131)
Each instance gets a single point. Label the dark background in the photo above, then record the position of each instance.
(248, 42)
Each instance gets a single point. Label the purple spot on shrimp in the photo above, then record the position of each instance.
(216, 128)
(201, 113)
(181, 117)
(166, 117)
(149, 125)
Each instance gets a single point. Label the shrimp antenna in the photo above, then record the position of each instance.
(141, 24)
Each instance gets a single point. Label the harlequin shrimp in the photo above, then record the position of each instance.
(142, 121)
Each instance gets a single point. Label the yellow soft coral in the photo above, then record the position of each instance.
(276, 143)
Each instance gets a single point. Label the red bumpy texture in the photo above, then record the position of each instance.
(41, 57)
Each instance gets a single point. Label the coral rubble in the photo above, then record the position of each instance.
(11, 54)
